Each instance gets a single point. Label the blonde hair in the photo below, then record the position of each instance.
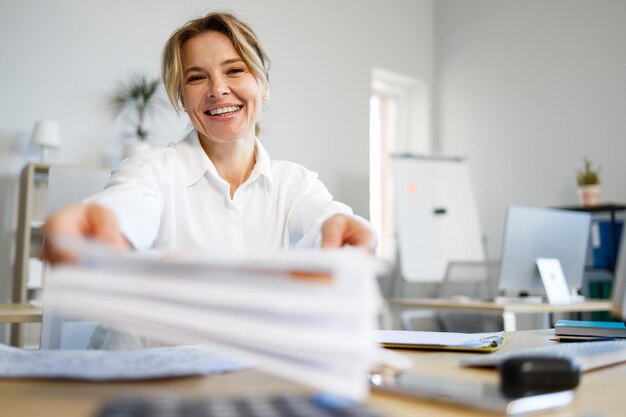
(240, 34)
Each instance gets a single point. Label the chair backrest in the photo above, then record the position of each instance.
(474, 279)
(67, 185)
(477, 281)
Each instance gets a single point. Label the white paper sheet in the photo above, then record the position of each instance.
(101, 365)
(436, 338)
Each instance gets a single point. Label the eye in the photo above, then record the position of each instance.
(235, 71)
(194, 78)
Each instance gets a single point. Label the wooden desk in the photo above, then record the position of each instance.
(507, 310)
(19, 313)
(601, 392)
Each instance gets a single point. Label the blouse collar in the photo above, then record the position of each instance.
(196, 162)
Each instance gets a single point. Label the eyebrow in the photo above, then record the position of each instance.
(227, 62)
(232, 61)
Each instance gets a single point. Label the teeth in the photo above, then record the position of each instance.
(223, 110)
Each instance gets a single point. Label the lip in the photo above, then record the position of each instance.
(219, 106)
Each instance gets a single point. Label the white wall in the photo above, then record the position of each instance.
(526, 89)
(62, 59)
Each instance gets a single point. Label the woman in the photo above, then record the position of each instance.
(217, 188)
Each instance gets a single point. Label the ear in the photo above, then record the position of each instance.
(266, 93)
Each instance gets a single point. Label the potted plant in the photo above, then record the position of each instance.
(588, 180)
(138, 94)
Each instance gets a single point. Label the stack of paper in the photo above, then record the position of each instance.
(309, 316)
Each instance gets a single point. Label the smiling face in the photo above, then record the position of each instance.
(220, 94)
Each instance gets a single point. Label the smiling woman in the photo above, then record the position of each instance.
(242, 41)
(217, 188)
(220, 94)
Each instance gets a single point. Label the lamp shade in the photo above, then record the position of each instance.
(46, 133)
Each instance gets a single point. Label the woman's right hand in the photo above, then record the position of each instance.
(80, 221)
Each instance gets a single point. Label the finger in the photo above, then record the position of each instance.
(50, 251)
(342, 230)
(357, 234)
(79, 222)
(332, 232)
(103, 226)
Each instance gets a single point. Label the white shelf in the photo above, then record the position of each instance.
(34, 203)
(36, 224)
(28, 269)
(35, 273)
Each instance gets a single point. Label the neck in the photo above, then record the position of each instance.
(234, 161)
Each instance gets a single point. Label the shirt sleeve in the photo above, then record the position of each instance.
(133, 195)
(313, 206)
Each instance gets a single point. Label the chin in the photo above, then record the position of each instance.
(232, 138)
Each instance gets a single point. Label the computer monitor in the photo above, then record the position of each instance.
(619, 283)
(533, 232)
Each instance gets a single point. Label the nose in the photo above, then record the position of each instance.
(218, 87)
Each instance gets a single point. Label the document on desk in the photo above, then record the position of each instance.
(305, 315)
(474, 342)
(102, 365)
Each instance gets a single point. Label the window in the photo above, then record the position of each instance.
(399, 123)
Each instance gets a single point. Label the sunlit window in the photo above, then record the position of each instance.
(399, 123)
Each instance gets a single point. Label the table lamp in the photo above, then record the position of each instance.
(46, 135)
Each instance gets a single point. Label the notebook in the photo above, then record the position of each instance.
(590, 328)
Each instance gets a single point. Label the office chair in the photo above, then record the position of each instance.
(68, 185)
(474, 280)
(477, 280)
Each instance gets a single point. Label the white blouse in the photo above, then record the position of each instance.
(172, 198)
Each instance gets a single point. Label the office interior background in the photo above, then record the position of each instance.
(523, 88)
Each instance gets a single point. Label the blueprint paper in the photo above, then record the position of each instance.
(103, 365)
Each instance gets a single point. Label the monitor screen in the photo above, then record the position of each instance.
(619, 282)
(533, 232)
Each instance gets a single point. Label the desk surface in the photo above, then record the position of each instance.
(25, 313)
(601, 392)
(489, 306)
(19, 313)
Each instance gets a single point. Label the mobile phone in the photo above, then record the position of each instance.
(467, 393)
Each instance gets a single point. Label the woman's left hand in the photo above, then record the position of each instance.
(340, 230)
